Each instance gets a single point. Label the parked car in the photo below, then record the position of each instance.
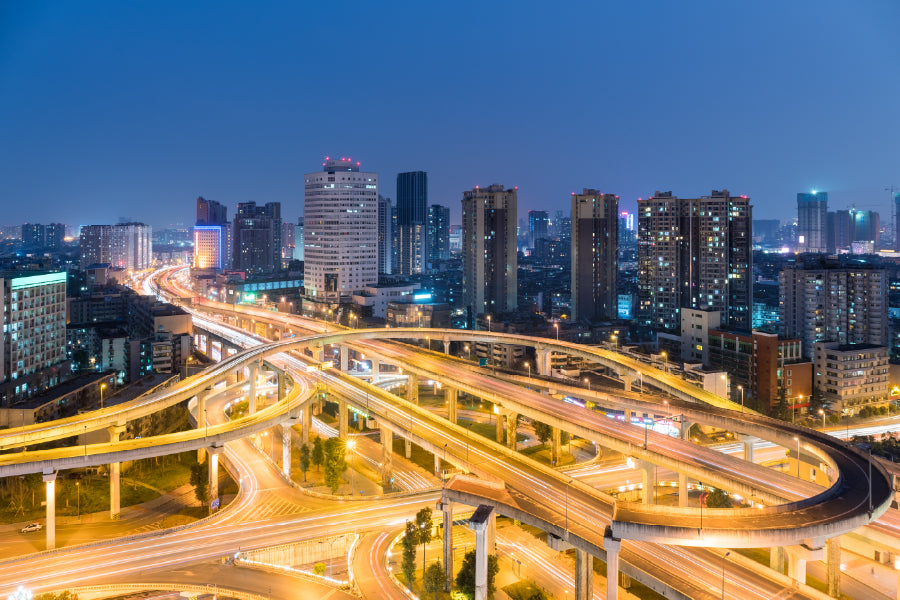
(32, 527)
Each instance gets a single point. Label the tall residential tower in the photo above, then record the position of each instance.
(490, 262)
(594, 255)
(412, 216)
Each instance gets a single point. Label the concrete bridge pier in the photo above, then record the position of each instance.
(253, 373)
(201, 418)
(408, 448)
(437, 465)
(612, 546)
(798, 556)
(446, 345)
(286, 428)
(512, 423)
(749, 442)
(345, 359)
(412, 388)
(584, 575)
(214, 452)
(555, 445)
(498, 427)
(282, 385)
(387, 455)
(376, 371)
(114, 472)
(833, 568)
(451, 396)
(686, 429)
(343, 420)
(628, 380)
(776, 559)
(305, 420)
(542, 361)
(682, 490)
(447, 511)
(480, 522)
(647, 479)
(50, 491)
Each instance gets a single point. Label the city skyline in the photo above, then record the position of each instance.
(133, 106)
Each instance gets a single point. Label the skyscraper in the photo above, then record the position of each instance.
(538, 222)
(694, 253)
(438, 233)
(210, 212)
(897, 221)
(341, 221)
(385, 235)
(211, 236)
(826, 301)
(256, 234)
(490, 263)
(412, 214)
(594, 255)
(812, 220)
(299, 237)
(124, 246)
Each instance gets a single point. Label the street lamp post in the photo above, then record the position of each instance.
(741, 388)
(556, 325)
(489, 323)
(588, 382)
(727, 554)
(529, 370)
(822, 412)
(665, 362)
(102, 387)
(796, 439)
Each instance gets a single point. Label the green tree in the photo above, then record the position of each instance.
(433, 579)
(408, 563)
(64, 595)
(318, 453)
(718, 498)
(543, 431)
(424, 524)
(335, 465)
(200, 481)
(304, 459)
(319, 568)
(465, 578)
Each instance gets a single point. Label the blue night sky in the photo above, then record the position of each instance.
(133, 109)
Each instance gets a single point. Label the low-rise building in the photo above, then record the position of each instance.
(851, 376)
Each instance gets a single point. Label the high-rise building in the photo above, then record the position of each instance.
(438, 233)
(538, 223)
(210, 212)
(55, 236)
(385, 235)
(212, 249)
(812, 220)
(897, 221)
(124, 246)
(490, 263)
(341, 221)
(256, 232)
(287, 241)
(33, 306)
(594, 255)
(412, 216)
(627, 233)
(299, 238)
(695, 253)
(825, 301)
(43, 237)
(848, 227)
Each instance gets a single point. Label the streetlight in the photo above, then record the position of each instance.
(665, 362)
(822, 412)
(206, 423)
(489, 323)
(102, 387)
(556, 325)
(741, 388)
(796, 439)
(469, 352)
(588, 382)
(666, 402)
(529, 371)
(727, 554)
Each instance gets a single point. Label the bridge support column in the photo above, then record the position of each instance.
(387, 456)
(682, 490)
(798, 556)
(647, 482)
(480, 523)
(628, 416)
(686, 430)
(776, 559)
(749, 442)
(213, 461)
(446, 345)
(612, 546)
(542, 358)
(833, 567)
(282, 385)
(50, 491)
(412, 388)
(628, 380)
(447, 511)
(201, 419)
(286, 448)
(584, 575)
(512, 422)
(408, 449)
(114, 471)
(376, 370)
(343, 424)
(345, 359)
(437, 465)
(451, 395)
(305, 420)
(253, 373)
(498, 427)
(555, 445)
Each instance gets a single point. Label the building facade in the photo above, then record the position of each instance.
(438, 235)
(412, 217)
(851, 376)
(125, 246)
(341, 230)
(256, 238)
(538, 226)
(490, 262)
(385, 236)
(812, 221)
(695, 253)
(824, 301)
(595, 243)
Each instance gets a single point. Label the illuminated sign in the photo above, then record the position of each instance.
(36, 280)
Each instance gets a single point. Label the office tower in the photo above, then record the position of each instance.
(438, 233)
(812, 219)
(395, 241)
(412, 214)
(694, 253)
(538, 223)
(33, 306)
(55, 236)
(853, 228)
(299, 237)
(256, 232)
(897, 221)
(287, 241)
(627, 233)
(341, 219)
(489, 249)
(595, 229)
(385, 235)
(211, 236)
(826, 301)
(866, 226)
(210, 212)
(33, 235)
(125, 246)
